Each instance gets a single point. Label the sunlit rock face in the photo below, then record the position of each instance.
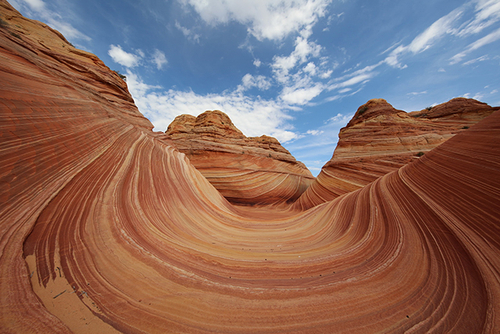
(380, 139)
(104, 228)
(246, 170)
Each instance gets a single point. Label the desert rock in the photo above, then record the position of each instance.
(106, 228)
(380, 139)
(246, 170)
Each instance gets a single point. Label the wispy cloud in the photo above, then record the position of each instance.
(478, 96)
(490, 38)
(339, 119)
(417, 93)
(314, 132)
(443, 26)
(350, 79)
(438, 29)
(479, 59)
(39, 9)
(487, 12)
(188, 33)
(456, 23)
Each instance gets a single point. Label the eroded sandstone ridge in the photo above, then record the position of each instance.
(380, 139)
(246, 170)
(105, 228)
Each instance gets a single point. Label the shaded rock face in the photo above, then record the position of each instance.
(246, 170)
(380, 139)
(104, 228)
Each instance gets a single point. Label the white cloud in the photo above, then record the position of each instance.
(275, 20)
(159, 59)
(310, 68)
(357, 79)
(441, 27)
(301, 95)
(265, 19)
(490, 38)
(360, 76)
(345, 90)
(249, 81)
(393, 58)
(487, 13)
(129, 59)
(253, 116)
(122, 57)
(326, 74)
(301, 84)
(282, 65)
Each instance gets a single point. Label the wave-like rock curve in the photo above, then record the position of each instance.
(380, 139)
(106, 228)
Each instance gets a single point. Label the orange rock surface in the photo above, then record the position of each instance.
(246, 170)
(105, 228)
(380, 139)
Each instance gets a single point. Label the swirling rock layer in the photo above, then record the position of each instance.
(380, 139)
(105, 228)
(246, 170)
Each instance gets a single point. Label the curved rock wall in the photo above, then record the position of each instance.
(105, 228)
(380, 139)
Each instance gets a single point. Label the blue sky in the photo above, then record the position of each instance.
(296, 69)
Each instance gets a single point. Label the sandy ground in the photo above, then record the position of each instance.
(74, 308)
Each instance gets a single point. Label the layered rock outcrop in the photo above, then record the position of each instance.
(246, 170)
(380, 139)
(105, 228)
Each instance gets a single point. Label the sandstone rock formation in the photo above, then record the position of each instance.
(249, 171)
(105, 228)
(380, 139)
